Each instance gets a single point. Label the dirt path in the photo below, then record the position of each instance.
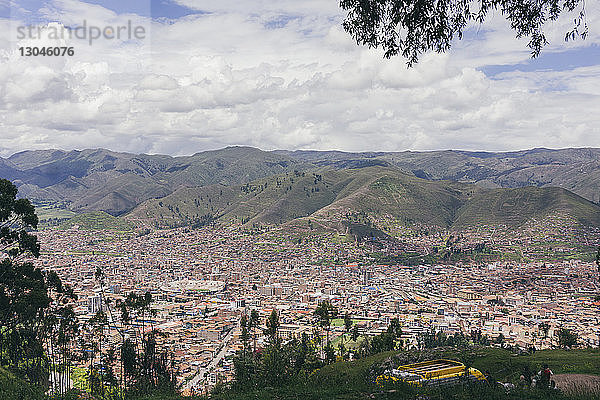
(574, 383)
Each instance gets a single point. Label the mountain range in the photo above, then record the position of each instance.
(444, 188)
(340, 198)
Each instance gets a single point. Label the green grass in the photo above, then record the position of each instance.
(98, 220)
(340, 321)
(13, 388)
(506, 366)
(348, 342)
(46, 213)
(52, 213)
(354, 379)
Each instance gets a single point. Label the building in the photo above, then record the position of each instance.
(94, 304)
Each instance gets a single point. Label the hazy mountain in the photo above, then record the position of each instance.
(117, 182)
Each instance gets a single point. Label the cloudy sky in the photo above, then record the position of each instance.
(282, 74)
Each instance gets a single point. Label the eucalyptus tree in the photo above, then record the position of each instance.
(146, 365)
(412, 27)
(252, 325)
(26, 292)
(325, 313)
(61, 329)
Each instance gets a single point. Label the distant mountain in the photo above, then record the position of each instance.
(370, 196)
(577, 170)
(102, 180)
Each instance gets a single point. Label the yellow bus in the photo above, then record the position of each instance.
(432, 373)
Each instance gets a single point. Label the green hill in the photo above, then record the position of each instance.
(97, 220)
(514, 207)
(100, 179)
(334, 199)
(577, 170)
(326, 195)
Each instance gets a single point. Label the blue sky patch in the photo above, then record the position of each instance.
(28, 10)
(555, 61)
(279, 22)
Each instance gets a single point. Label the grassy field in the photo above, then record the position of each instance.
(98, 220)
(340, 321)
(51, 214)
(505, 366)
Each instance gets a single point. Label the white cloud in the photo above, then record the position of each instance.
(284, 75)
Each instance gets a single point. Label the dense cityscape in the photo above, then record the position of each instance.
(299, 200)
(203, 280)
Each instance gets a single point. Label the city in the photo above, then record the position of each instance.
(203, 280)
(299, 200)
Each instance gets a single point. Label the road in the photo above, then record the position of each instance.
(199, 377)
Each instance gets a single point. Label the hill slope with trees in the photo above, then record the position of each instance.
(333, 198)
(103, 180)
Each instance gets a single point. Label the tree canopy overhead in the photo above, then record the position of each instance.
(412, 27)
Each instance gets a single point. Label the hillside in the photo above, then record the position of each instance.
(577, 170)
(514, 207)
(336, 198)
(327, 195)
(13, 388)
(102, 180)
(354, 379)
(99, 179)
(96, 220)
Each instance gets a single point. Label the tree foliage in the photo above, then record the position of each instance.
(385, 341)
(566, 338)
(147, 366)
(272, 324)
(41, 336)
(432, 339)
(325, 313)
(33, 309)
(278, 363)
(411, 28)
(17, 219)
